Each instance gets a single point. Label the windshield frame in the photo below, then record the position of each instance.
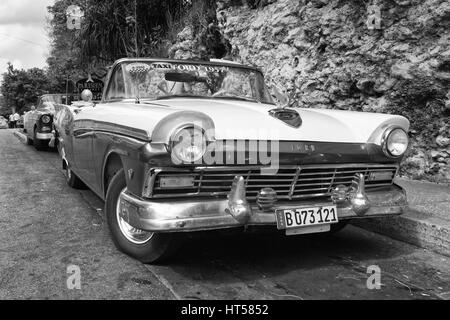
(230, 64)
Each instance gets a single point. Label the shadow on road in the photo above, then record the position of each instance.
(275, 253)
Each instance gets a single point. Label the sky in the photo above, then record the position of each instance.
(23, 35)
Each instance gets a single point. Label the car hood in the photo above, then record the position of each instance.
(236, 120)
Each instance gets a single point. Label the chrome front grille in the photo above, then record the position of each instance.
(290, 183)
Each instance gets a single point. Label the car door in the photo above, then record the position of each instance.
(82, 143)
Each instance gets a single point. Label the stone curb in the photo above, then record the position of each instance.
(20, 136)
(414, 228)
(426, 221)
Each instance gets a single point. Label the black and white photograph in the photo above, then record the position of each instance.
(242, 152)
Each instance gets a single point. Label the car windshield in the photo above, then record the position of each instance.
(169, 80)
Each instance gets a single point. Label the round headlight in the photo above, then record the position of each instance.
(396, 142)
(188, 145)
(46, 119)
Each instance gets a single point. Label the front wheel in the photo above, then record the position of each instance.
(147, 247)
(73, 181)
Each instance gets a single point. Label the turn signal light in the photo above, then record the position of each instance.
(176, 182)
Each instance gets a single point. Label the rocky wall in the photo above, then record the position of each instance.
(388, 56)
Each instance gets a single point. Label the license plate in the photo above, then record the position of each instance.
(306, 217)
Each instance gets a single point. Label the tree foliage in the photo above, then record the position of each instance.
(110, 30)
(127, 28)
(65, 60)
(123, 28)
(21, 88)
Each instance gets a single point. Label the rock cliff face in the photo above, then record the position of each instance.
(389, 56)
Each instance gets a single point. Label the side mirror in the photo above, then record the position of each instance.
(86, 95)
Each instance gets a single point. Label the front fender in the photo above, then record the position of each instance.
(128, 150)
(165, 128)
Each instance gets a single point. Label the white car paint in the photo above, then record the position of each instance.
(251, 121)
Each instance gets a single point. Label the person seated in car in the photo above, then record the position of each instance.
(174, 88)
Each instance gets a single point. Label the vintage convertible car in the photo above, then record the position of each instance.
(183, 146)
(38, 123)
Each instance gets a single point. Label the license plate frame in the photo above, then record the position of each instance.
(306, 217)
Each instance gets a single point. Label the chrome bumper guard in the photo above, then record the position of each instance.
(236, 211)
(44, 136)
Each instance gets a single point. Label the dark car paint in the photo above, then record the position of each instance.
(94, 148)
(296, 153)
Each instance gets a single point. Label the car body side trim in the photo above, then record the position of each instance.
(109, 127)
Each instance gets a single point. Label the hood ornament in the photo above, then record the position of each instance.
(289, 116)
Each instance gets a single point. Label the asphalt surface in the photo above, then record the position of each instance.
(45, 227)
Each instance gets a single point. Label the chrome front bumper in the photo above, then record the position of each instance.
(209, 214)
(44, 136)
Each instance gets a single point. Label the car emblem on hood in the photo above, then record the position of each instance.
(288, 116)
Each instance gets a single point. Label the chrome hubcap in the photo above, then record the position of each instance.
(134, 235)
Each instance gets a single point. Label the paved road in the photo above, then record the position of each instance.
(45, 227)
